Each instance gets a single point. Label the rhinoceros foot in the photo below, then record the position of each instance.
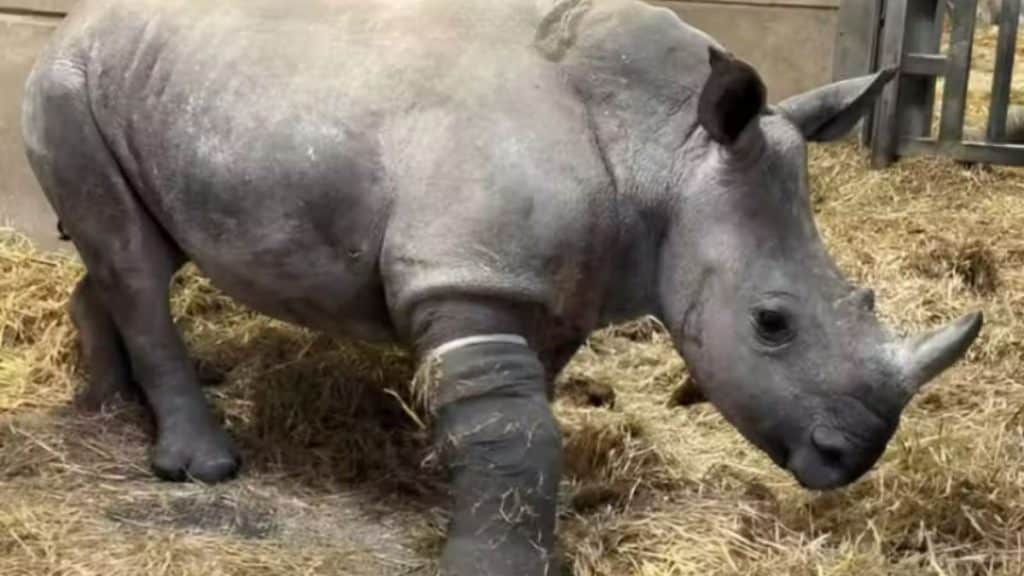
(206, 454)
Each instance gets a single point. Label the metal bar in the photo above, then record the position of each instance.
(1005, 52)
(940, 18)
(954, 96)
(919, 64)
(1004, 154)
(877, 10)
(884, 139)
(917, 92)
(938, 29)
(46, 7)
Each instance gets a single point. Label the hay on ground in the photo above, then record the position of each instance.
(335, 480)
(334, 477)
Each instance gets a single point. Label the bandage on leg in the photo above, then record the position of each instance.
(503, 451)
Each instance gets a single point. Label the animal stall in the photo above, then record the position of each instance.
(337, 479)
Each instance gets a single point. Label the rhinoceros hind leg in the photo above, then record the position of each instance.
(109, 377)
(130, 261)
(135, 288)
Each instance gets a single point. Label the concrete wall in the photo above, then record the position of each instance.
(789, 41)
(22, 205)
(859, 26)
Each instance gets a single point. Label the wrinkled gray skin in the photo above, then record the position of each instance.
(425, 170)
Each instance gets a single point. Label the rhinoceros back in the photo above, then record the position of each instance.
(334, 163)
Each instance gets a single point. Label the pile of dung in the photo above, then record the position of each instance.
(337, 479)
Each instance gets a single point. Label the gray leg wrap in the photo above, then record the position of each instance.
(503, 450)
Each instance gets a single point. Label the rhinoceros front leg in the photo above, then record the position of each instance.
(503, 451)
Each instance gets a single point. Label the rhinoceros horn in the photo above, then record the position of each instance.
(924, 357)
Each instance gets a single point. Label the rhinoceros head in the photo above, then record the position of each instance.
(777, 339)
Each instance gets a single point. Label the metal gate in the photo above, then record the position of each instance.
(909, 37)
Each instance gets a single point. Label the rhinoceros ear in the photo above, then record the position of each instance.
(732, 97)
(830, 112)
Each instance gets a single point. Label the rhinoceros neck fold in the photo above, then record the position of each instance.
(639, 71)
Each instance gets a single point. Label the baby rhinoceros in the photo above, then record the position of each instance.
(485, 182)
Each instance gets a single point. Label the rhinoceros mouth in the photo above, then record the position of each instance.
(813, 473)
(831, 459)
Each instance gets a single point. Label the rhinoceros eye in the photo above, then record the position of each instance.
(773, 326)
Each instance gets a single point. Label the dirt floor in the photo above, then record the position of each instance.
(336, 480)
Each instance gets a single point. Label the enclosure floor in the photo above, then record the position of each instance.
(337, 478)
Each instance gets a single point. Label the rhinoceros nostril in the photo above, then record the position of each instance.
(830, 444)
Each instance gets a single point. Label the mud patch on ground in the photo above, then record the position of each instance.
(248, 517)
(971, 262)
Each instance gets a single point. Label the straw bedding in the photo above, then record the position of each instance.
(338, 479)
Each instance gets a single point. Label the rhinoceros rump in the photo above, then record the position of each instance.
(429, 171)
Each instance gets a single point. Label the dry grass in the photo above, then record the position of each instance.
(334, 482)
